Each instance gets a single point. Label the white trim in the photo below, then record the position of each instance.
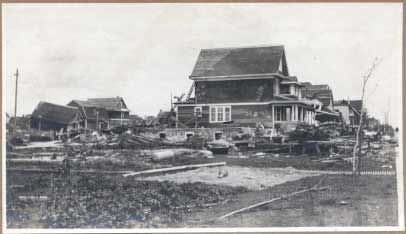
(235, 77)
(216, 112)
(197, 108)
(245, 103)
(291, 82)
(239, 77)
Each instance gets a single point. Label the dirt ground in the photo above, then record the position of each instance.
(249, 177)
(367, 201)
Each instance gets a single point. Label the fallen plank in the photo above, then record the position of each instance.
(35, 161)
(178, 168)
(270, 201)
(33, 198)
(34, 170)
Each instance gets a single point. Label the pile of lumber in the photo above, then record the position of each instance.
(130, 141)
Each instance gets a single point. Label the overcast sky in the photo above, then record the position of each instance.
(143, 52)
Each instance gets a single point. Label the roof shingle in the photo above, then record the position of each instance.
(55, 113)
(239, 61)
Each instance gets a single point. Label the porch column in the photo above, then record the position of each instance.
(296, 113)
(311, 118)
(273, 117)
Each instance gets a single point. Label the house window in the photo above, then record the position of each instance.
(220, 114)
(227, 114)
(198, 111)
(212, 114)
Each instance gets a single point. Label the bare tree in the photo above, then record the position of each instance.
(356, 161)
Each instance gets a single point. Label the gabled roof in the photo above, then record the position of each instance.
(357, 104)
(310, 86)
(240, 61)
(92, 112)
(321, 92)
(55, 113)
(114, 104)
(89, 112)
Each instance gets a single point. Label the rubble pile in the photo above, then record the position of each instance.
(307, 132)
(107, 203)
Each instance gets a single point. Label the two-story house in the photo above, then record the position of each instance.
(322, 96)
(107, 112)
(350, 111)
(243, 87)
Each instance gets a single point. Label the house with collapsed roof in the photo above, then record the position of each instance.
(244, 87)
(48, 116)
(102, 113)
(350, 111)
(322, 97)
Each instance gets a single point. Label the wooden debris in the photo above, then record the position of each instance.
(272, 200)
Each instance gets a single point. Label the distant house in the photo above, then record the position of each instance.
(243, 87)
(91, 117)
(325, 111)
(23, 122)
(373, 123)
(112, 111)
(350, 111)
(151, 122)
(48, 116)
(167, 119)
(136, 121)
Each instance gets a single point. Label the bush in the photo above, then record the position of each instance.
(307, 132)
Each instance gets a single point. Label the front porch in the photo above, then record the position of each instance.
(288, 116)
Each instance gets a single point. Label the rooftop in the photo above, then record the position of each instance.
(238, 61)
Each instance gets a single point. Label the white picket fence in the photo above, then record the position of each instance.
(374, 173)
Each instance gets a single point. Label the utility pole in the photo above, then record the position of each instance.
(171, 102)
(97, 121)
(121, 112)
(15, 103)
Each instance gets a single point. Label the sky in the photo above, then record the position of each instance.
(145, 52)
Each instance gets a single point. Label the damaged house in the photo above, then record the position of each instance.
(48, 116)
(350, 111)
(108, 112)
(92, 117)
(322, 98)
(243, 87)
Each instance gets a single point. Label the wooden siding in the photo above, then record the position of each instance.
(259, 90)
(47, 125)
(244, 116)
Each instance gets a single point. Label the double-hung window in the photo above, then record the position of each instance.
(219, 114)
(198, 111)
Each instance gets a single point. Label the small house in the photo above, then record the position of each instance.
(350, 111)
(92, 117)
(48, 116)
(325, 107)
(111, 111)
